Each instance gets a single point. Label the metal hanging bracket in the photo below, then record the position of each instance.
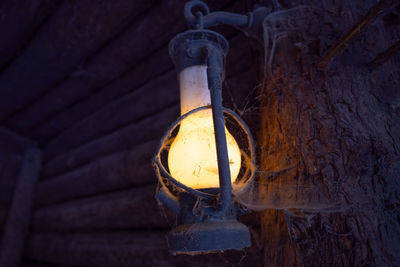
(250, 23)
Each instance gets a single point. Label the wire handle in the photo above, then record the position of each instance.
(162, 172)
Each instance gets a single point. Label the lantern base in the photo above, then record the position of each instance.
(208, 237)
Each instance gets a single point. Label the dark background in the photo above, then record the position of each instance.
(92, 85)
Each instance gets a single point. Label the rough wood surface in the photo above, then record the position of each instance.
(165, 86)
(12, 147)
(154, 66)
(18, 218)
(19, 21)
(130, 108)
(126, 209)
(148, 70)
(76, 30)
(139, 73)
(124, 249)
(128, 137)
(116, 171)
(122, 54)
(27, 263)
(335, 132)
(13, 143)
(9, 167)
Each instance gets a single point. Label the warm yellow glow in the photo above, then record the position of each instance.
(192, 158)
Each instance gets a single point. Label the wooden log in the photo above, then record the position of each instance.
(127, 209)
(11, 150)
(30, 264)
(90, 126)
(18, 21)
(18, 219)
(151, 128)
(116, 171)
(155, 66)
(240, 56)
(13, 143)
(9, 166)
(133, 107)
(114, 60)
(75, 31)
(3, 216)
(124, 249)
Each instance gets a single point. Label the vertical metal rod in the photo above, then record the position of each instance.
(214, 77)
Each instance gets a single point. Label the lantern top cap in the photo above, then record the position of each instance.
(187, 48)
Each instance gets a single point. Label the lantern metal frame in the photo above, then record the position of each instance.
(207, 218)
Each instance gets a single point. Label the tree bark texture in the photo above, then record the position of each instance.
(337, 130)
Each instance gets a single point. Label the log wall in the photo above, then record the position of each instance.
(19, 170)
(12, 148)
(96, 88)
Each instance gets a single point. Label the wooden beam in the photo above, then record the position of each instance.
(29, 264)
(19, 20)
(75, 31)
(122, 54)
(133, 107)
(10, 164)
(114, 172)
(130, 136)
(3, 216)
(127, 209)
(164, 86)
(155, 66)
(18, 219)
(13, 143)
(134, 208)
(140, 73)
(8, 179)
(12, 147)
(129, 248)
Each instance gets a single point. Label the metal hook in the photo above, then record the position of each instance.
(190, 18)
(199, 21)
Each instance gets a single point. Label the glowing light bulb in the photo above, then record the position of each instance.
(192, 158)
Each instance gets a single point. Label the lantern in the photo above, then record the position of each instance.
(200, 161)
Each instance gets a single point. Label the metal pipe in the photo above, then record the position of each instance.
(222, 17)
(214, 18)
(214, 77)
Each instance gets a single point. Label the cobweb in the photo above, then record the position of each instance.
(286, 188)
